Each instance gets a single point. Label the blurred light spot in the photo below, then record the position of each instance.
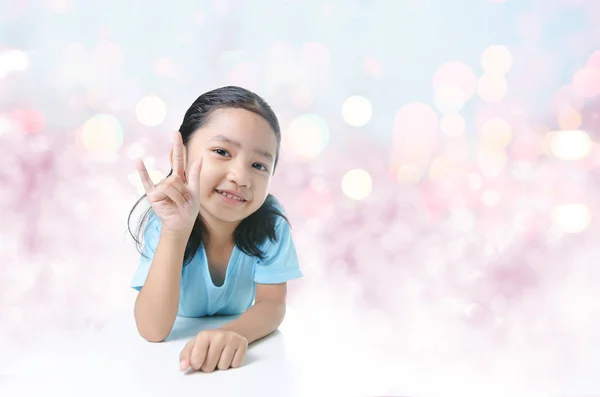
(13, 61)
(155, 175)
(415, 132)
(496, 132)
(308, 135)
(453, 125)
(458, 74)
(492, 88)
(440, 168)
(408, 173)
(496, 60)
(151, 111)
(449, 99)
(462, 220)
(7, 125)
(491, 160)
(569, 119)
(586, 82)
(31, 121)
(570, 145)
(490, 198)
(102, 134)
(357, 184)
(474, 181)
(357, 111)
(572, 218)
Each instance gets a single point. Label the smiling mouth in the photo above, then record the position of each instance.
(230, 196)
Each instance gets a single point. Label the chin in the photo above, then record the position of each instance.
(230, 213)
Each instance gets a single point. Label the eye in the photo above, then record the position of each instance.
(259, 166)
(221, 152)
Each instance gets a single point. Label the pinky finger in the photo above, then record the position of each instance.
(238, 357)
(145, 177)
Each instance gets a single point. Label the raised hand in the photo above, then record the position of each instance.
(175, 200)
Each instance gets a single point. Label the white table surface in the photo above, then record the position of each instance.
(320, 352)
(117, 361)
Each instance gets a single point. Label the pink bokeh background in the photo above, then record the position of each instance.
(453, 205)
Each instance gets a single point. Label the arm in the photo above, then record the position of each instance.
(158, 301)
(264, 316)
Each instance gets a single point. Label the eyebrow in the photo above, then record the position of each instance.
(222, 138)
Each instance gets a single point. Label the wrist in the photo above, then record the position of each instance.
(233, 329)
(176, 236)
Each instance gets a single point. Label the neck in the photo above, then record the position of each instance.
(217, 232)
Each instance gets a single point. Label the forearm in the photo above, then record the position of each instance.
(158, 301)
(259, 320)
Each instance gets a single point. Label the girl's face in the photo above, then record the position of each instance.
(238, 150)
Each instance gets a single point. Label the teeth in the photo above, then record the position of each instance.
(230, 196)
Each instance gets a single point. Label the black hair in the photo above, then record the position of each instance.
(256, 228)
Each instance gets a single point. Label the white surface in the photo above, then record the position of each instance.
(117, 361)
(323, 350)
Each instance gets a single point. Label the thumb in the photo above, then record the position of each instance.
(194, 179)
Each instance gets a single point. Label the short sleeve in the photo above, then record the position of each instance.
(150, 243)
(280, 262)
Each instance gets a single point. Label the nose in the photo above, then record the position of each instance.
(239, 174)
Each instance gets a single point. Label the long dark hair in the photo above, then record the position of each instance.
(253, 230)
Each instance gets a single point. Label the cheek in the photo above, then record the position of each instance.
(208, 177)
(261, 186)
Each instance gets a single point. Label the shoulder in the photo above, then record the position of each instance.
(153, 223)
(282, 241)
(280, 221)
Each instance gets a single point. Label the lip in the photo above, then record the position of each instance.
(233, 193)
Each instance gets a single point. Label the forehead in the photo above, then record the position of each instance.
(240, 125)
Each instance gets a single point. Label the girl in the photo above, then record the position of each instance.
(214, 241)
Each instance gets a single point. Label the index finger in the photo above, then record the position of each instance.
(184, 356)
(178, 167)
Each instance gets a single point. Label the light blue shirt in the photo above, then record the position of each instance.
(199, 297)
